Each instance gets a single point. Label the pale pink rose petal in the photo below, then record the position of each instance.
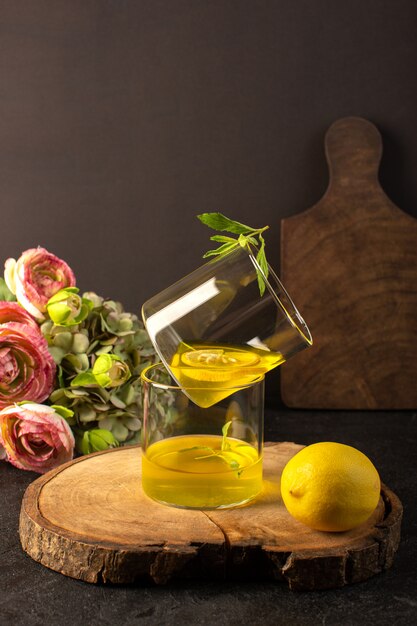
(23, 299)
(35, 437)
(10, 274)
(35, 423)
(37, 429)
(24, 442)
(14, 312)
(27, 369)
(35, 277)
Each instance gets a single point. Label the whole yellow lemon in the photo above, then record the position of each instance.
(330, 486)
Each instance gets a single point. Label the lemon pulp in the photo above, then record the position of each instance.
(211, 372)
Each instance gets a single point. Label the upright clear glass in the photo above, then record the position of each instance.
(213, 329)
(195, 457)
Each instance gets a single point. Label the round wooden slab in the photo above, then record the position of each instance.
(89, 519)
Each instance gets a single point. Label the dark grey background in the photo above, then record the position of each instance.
(121, 120)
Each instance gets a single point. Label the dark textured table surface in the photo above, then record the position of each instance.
(32, 595)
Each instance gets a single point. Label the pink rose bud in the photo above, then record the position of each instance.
(36, 437)
(35, 277)
(27, 369)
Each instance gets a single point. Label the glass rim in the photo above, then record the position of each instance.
(145, 378)
(304, 331)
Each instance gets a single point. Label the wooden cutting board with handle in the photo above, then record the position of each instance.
(350, 264)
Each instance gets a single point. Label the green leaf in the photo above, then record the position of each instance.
(60, 373)
(62, 411)
(79, 362)
(223, 238)
(85, 443)
(225, 445)
(97, 443)
(5, 293)
(247, 238)
(104, 363)
(227, 247)
(63, 340)
(79, 343)
(120, 432)
(262, 262)
(86, 414)
(62, 294)
(251, 240)
(117, 402)
(102, 439)
(85, 378)
(261, 283)
(57, 354)
(104, 350)
(226, 427)
(106, 435)
(211, 455)
(216, 454)
(261, 258)
(218, 221)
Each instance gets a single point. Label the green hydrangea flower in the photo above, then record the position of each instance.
(84, 377)
(96, 440)
(67, 308)
(110, 371)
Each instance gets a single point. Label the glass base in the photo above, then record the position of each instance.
(219, 507)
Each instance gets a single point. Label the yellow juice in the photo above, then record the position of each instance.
(202, 471)
(211, 372)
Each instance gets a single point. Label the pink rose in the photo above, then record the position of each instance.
(36, 437)
(35, 277)
(27, 369)
(13, 312)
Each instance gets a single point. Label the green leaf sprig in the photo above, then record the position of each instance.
(247, 236)
(225, 447)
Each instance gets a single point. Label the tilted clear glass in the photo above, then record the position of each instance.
(214, 327)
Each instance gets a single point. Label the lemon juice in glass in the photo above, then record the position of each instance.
(203, 457)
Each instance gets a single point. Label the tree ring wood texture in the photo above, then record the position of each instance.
(90, 520)
(350, 264)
